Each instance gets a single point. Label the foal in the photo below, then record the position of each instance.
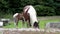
(22, 16)
(17, 17)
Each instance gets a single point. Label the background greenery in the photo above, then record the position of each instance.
(43, 7)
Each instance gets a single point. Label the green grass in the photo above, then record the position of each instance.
(41, 23)
(11, 25)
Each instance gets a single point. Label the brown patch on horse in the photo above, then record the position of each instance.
(27, 16)
(19, 17)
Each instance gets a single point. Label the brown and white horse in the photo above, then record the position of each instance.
(17, 17)
(29, 15)
(32, 16)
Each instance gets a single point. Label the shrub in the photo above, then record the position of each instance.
(44, 10)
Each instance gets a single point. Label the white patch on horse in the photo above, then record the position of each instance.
(15, 15)
(32, 13)
(26, 8)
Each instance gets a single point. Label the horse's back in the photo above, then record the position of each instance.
(15, 15)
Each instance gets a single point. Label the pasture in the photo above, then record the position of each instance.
(42, 22)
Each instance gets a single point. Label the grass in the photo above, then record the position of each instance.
(41, 23)
(11, 25)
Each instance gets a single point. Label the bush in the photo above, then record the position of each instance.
(44, 10)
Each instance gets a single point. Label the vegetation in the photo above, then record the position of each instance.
(42, 23)
(43, 7)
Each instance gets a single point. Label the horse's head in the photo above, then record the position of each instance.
(36, 24)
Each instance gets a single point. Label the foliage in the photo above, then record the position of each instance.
(43, 7)
(44, 10)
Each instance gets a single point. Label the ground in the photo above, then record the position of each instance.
(30, 31)
(42, 23)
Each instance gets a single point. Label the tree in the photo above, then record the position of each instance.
(43, 7)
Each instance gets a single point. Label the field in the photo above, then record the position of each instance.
(42, 22)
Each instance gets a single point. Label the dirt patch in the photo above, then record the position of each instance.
(28, 32)
(31, 31)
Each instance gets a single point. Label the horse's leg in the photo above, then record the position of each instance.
(28, 20)
(15, 21)
(28, 23)
(23, 22)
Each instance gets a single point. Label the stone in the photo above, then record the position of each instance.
(53, 25)
(5, 21)
(1, 24)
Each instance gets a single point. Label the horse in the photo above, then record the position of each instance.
(30, 15)
(17, 17)
(21, 16)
